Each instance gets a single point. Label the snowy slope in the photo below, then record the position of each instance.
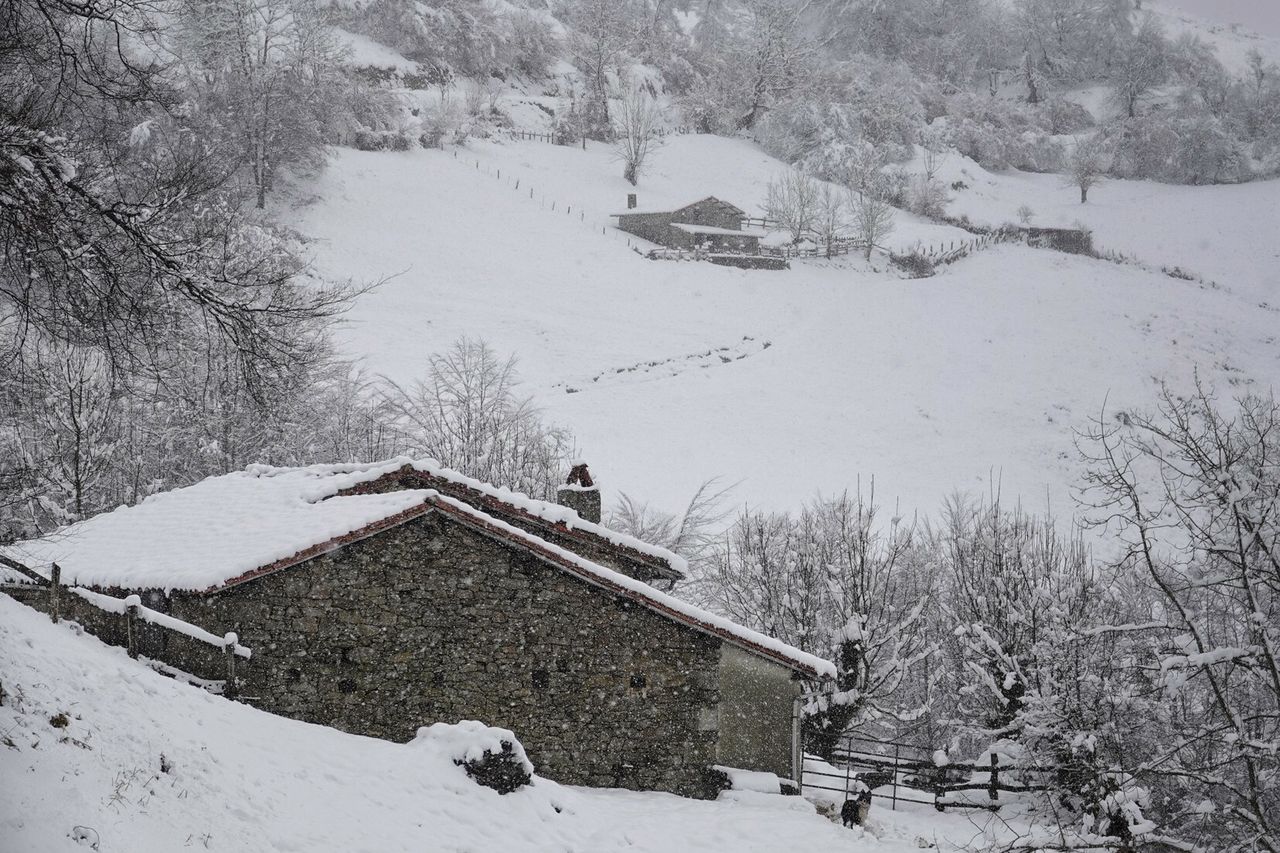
(1225, 233)
(242, 780)
(799, 381)
(1230, 37)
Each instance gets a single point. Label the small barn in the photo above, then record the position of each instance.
(383, 597)
(709, 222)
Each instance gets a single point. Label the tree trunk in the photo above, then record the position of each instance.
(1084, 194)
(629, 172)
(1033, 94)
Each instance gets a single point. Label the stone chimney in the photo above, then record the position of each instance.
(631, 201)
(580, 493)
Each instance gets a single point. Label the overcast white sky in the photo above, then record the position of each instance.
(1262, 16)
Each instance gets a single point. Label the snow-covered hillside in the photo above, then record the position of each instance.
(801, 381)
(237, 779)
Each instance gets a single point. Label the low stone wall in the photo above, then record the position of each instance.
(751, 262)
(153, 641)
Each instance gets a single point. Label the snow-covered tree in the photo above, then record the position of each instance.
(1140, 65)
(833, 581)
(768, 57)
(1193, 493)
(1086, 165)
(601, 31)
(268, 70)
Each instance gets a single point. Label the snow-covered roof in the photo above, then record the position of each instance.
(228, 530)
(649, 210)
(200, 536)
(711, 229)
(500, 498)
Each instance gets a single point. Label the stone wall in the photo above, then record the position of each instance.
(434, 621)
(192, 656)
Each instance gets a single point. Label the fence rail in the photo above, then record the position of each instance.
(915, 776)
(132, 614)
(555, 139)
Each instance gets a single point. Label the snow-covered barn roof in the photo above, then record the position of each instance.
(513, 506)
(650, 210)
(228, 530)
(711, 229)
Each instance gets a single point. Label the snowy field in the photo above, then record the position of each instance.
(241, 780)
(796, 382)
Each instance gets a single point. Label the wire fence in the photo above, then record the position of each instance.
(570, 210)
(572, 140)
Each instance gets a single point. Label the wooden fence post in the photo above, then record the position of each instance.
(993, 789)
(55, 591)
(130, 627)
(894, 806)
(229, 651)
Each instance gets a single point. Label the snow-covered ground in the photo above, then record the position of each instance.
(807, 380)
(1226, 234)
(1231, 27)
(240, 780)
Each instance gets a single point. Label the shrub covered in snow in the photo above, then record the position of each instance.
(1177, 148)
(492, 757)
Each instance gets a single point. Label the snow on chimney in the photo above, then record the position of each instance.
(580, 493)
(631, 201)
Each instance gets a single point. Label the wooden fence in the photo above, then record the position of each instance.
(858, 759)
(538, 136)
(132, 614)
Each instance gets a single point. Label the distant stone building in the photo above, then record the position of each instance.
(380, 598)
(709, 222)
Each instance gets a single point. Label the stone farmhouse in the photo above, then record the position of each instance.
(709, 222)
(380, 598)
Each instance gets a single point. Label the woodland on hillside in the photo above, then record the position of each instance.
(158, 326)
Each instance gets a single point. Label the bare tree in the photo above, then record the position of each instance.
(831, 220)
(694, 534)
(118, 224)
(467, 413)
(793, 200)
(871, 216)
(638, 121)
(1086, 166)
